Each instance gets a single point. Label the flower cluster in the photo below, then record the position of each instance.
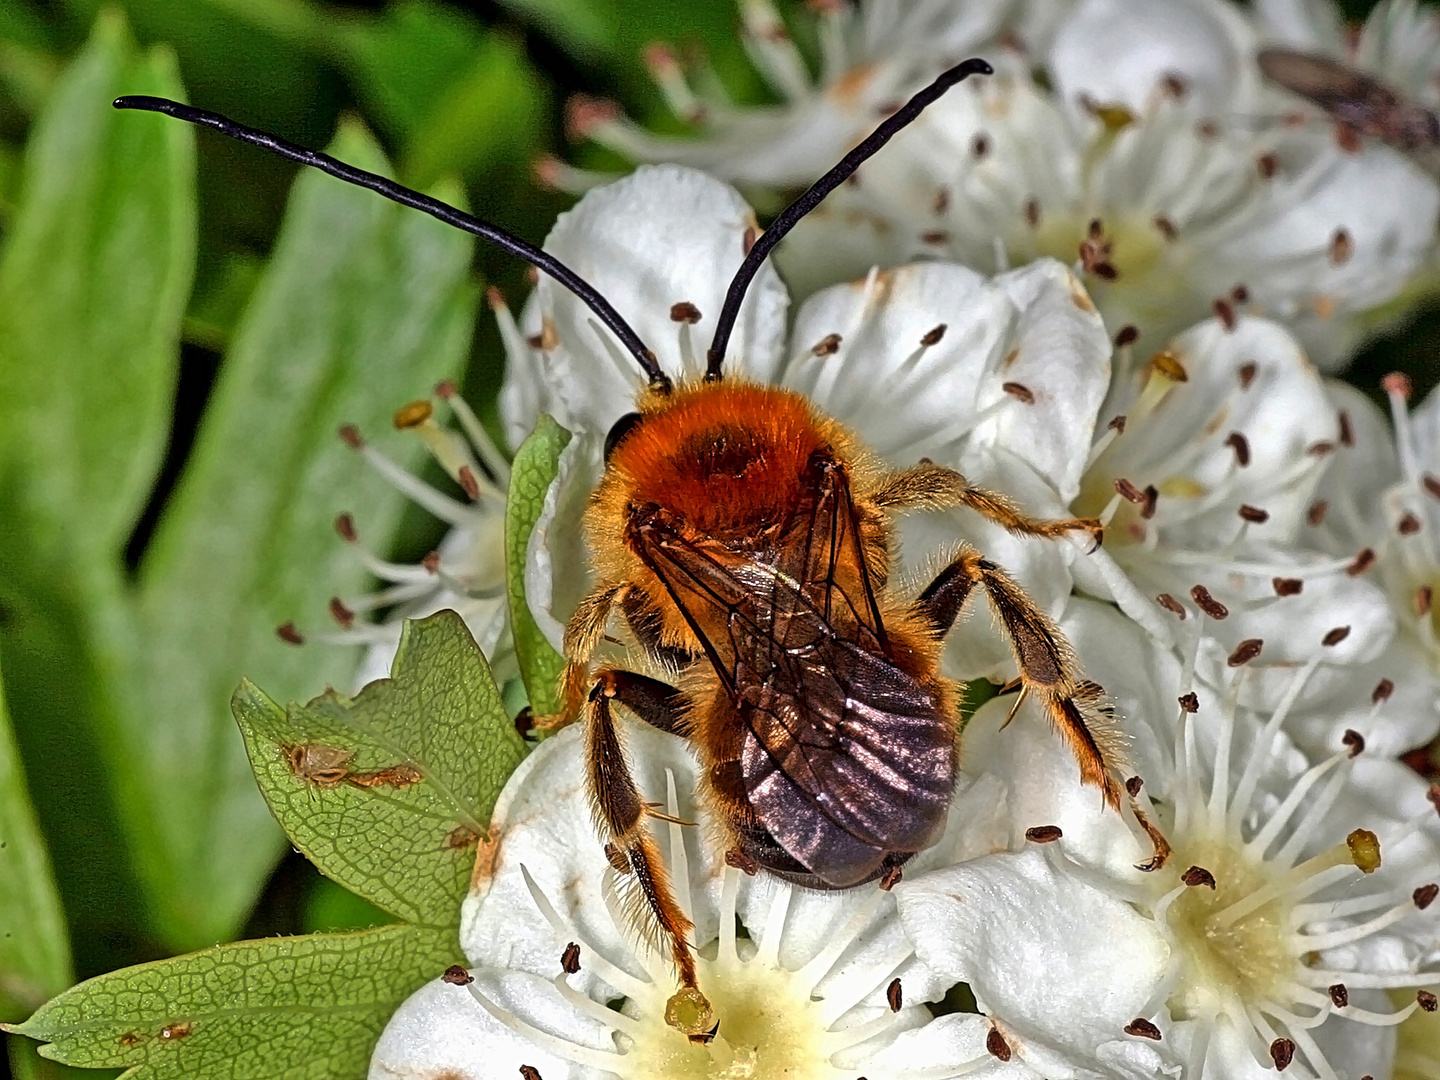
(1100, 282)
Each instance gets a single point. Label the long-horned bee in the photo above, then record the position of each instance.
(745, 540)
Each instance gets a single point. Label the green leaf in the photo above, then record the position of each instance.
(34, 952)
(27, 1064)
(295, 1007)
(389, 792)
(536, 465)
(93, 282)
(406, 59)
(364, 306)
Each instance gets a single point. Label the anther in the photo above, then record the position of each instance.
(747, 241)
(431, 562)
(1408, 525)
(1190, 702)
(980, 146)
(1246, 651)
(1397, 383)
(684, 312)
(288, 633)
(941, 202)
(1152, 499)
(1241, 446)
(468, 484)
(1032, 212)
(1316, 514)
(935, 237)
(1197, 876)
(829, 345)
(1383, 689)
(1253, 514)
(1287, 586)
(351, 436)
(584, 113)
(890, 878)
(1363, 561)
(1128, 335)
(1426, 1000)
(1240, 294)
(1207, 603)
(1043, 834)
(1170, 366)
(742, 862)
(1424, 597)
(1431, 485)
(1320, 448)
(529, 1072)
(412, 415)
(1335, 636)
(1354, 741)
(1019, 391)
(1268, 165)
(1347, 429)
(1174, 85)
(1225, 312)
(345, 526)
(894, 996)
(996, 1046)
(1364, 848)
(1166, 227)
(1282, 1053)
(570, 959)
(1247, 373)
(495, 298)
(1341, 247)
(341, 614)
(1133, 786)
(456, 975)
(1117, 424)
(1339, 995)
(933, 335)
(1143, 1029)
(1128, 491)
(1170, 604)
(1425, 895)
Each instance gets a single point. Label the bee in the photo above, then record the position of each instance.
(1358, 103)
(745, 539)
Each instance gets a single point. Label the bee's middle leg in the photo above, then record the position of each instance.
(620, 810)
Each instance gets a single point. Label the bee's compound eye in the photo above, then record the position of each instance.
(618, 431)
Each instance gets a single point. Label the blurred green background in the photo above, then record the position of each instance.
(180, 336)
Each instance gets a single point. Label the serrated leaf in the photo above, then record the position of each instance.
(390, 792)
(297, 1007)
(93, 280)
(34, 951)
(536, 465)
(364, 306)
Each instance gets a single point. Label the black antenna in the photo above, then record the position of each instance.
(536, 257)
(791, 215)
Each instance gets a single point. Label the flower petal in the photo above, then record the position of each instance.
(662, 236)
(1064, 965)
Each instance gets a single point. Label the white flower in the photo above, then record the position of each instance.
(465, 573)
(871, 57)
(821, 986)
(1262, 944)
(1000, 379)
(1206, 478)
(1131, 154)
(1381, 498)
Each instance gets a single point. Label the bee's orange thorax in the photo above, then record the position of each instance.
(726, 457)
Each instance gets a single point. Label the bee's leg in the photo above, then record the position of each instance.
(583, 634)
(620, 815)
(1048, 668)
(657, 703)
(934, 487)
